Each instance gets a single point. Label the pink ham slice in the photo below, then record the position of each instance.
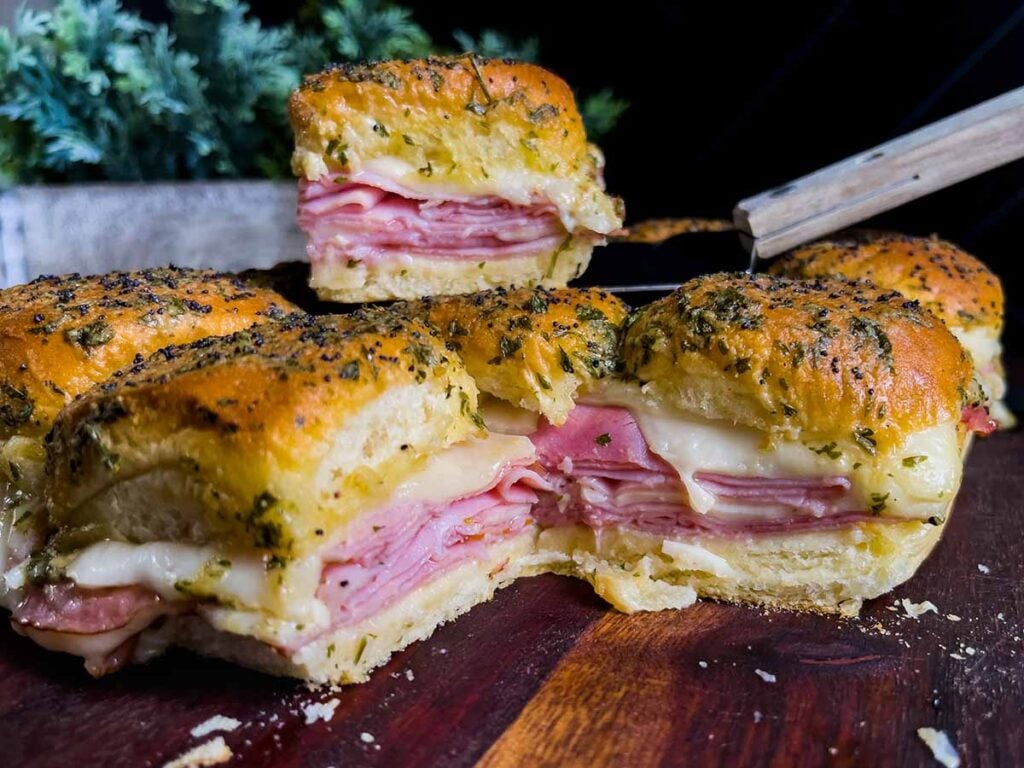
(604, 475)
(818, 497)
(977, 419)
(395, 552)
(603, 441)
(102, 625)
(66, 607)
(369, 220)
(387, 557)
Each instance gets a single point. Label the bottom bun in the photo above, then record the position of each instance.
(349, 654)
(830, 571)
(416, 276)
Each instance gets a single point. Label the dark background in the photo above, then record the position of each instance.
(728, 99)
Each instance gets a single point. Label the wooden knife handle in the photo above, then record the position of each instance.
(936, 156)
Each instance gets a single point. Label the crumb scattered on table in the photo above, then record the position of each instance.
(940, 745)
(215, 723)
(320, 711)
(918, 609)
(212, 752)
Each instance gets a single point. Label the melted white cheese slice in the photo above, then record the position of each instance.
(242, 578)
(917, 481)
(170, 569)
(507, 419)
(463, 469)
(985, 349)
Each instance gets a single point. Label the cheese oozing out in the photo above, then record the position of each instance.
(278, 605)
(986, 350)
(917, 481)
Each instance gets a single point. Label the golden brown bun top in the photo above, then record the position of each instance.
(528, 96)
(259, 414)
(532, 347)
(465, 125)
(948, 281)
(60, 335)
(811, 359)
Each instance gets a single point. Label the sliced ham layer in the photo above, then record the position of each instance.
(604, 474)
(977, 419)
(66, 607)
(396, 552)
(780, 497)
(602, 441)
(366, 219)
(100, 625)
(388, 556)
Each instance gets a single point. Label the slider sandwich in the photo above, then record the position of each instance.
(789, 443)
(951, 283)
(444, 176)
(304, 497)
(61, 335)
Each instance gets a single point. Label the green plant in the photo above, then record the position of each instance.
(91, 91)
(601, 111)
(367, 29)
(498, 45)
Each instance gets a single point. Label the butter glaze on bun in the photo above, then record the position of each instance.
(815, 359)
(952, 284)
(481, 127)
(60, 335)
(949, 282)
(537, 349)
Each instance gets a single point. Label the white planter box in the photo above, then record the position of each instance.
(93, 228)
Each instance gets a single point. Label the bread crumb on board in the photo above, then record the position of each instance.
(320, 711)
(940, 745)
(212, 752)
(215, 723)
(918, 609)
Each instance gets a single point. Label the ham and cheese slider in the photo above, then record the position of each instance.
(794, 443)
(304, 497)
(444, 176)
(60, 335)
(951, 283)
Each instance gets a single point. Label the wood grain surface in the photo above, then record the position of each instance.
(546, 675)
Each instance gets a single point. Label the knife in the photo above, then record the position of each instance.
(878, 179)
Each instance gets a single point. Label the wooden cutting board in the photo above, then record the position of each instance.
(546, 675)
